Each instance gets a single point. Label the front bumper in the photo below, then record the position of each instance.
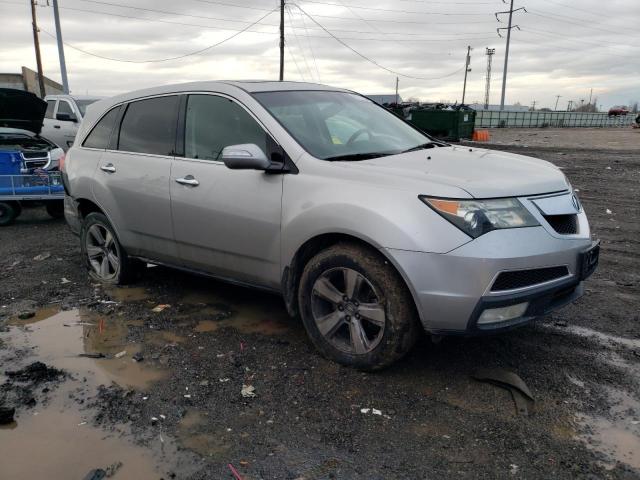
(452, 290)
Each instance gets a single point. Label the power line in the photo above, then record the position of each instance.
(571, 20)
(295, 35)
(370, 60)
(313, 55)
(117, 15)
(376, 9)
(196, 52)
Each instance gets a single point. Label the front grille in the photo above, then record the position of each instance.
(563, 224)
(527, 278)
(36, 163)
(34, 155)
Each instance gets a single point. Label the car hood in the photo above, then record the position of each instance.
(20, 109)
(480, 172)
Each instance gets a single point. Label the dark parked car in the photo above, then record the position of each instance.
(616, 111)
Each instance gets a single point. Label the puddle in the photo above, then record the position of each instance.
(63, 336)
(260, 313)
(617, 436)
(40, 315)
(55, 439)
(128, 294)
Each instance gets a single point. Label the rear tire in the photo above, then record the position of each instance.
(55, 208)
(8, 213)
(356, 308)
(105, 258)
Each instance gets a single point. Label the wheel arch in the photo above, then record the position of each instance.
(293, 269)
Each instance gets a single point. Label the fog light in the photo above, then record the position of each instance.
(493, 315)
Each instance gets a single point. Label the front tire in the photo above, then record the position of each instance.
(356, 308)
(105, 258)
(8, 213)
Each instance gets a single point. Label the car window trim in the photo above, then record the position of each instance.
(119, 121)
(118, 118)
(183, 124)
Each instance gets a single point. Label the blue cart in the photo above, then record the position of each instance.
(18, 188)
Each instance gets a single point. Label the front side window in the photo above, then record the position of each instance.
(101, 133)
(51, 105)
(149, 126)
(213, 123)
(64, 107)
(340, 125)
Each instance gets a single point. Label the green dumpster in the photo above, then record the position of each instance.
(451, 125)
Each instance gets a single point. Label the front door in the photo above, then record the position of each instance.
(226, 222)
(132, 181)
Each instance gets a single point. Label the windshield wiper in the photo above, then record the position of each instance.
(358, 156)
(422, 146)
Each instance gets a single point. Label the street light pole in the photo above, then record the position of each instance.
(63, 64)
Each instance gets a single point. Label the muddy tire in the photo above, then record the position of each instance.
(105, 258)
(356, 308)
(55, 208)
(8, 213)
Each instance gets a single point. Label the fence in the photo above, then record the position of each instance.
(507, 119)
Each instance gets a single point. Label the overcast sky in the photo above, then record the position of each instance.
(564, 47)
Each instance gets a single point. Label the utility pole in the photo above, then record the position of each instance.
(397, 97)
(282, 40)
(487, 88)
(590, 96)
(533, 106)
(569, 105)
(466, 71)
(36, 43)
(506, 53)
(557, 99)
(63, 64)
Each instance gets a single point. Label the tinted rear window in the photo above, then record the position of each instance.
(101, 133)
(149, 126)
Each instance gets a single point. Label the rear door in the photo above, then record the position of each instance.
(132, 178)
(225, 221)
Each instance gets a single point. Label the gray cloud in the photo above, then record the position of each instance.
(564, 48)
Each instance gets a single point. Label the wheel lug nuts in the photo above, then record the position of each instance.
(358, 316)
(340, 307)
(347, 318)
(345, 298)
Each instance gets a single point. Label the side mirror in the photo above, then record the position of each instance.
(66, 117)
(247, 156)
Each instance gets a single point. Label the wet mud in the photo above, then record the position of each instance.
(180, 376)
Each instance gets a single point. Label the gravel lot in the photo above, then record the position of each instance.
(179, 411)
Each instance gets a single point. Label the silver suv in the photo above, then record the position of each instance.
(368, 228)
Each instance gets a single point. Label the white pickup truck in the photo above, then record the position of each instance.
(63, 116)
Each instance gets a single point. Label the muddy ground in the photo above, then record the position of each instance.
(179, 412)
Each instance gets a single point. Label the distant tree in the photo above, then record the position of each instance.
(633, 106)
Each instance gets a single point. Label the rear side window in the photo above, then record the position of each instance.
(51, 105)
(101, 133)
(149, 126)
(213, 123)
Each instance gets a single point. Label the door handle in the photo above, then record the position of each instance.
(56, 126)
(109, 168)
(188, 180)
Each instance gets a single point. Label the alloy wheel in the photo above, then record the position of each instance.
(348, 310)
(102, 252)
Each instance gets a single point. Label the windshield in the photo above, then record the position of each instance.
(83, 104)
(339, 125)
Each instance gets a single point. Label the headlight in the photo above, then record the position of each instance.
(477, 217)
